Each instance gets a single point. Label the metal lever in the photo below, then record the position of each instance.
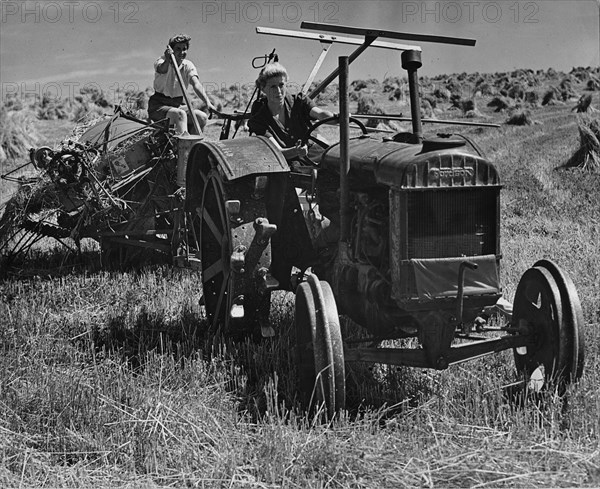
(264, 230)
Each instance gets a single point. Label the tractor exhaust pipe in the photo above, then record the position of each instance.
(411, 62)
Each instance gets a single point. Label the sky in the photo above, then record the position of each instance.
(59, 46)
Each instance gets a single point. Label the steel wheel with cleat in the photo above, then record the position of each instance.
(547, 309)
(235, 255)
(572, 341)
(321, 371)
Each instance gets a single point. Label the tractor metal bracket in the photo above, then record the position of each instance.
(326, 40)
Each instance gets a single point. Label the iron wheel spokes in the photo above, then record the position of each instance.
(221, 312)
(235, 266)
(217, 234)
(213, 270)
(214, 250)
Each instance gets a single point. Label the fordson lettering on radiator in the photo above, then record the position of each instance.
(436, 174)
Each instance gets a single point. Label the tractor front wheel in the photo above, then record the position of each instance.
(321, 371)
(547, 307)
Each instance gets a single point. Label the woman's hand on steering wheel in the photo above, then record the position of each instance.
(309, 137)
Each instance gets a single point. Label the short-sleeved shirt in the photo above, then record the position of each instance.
(167, 84)
(288, 132)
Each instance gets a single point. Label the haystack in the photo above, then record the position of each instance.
(465, 105)
(550, 97)
(532, 97)
(454, 87)
(501, 103)
(485, 89)
(584, 104)
(86, 111)
(442, 94)
(587, 156)
(17, 133)
(431, 99)
(468, 106)
(580, 73)
(397, 94)
(593, 84)
(391, 83)
(366, 105)
(427, 109)
(520, 118)
(371, 84)
(516, 91)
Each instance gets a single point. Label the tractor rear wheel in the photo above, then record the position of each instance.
(235, 254)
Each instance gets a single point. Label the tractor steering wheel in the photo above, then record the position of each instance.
(309, 137)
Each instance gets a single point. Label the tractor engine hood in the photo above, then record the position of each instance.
(435, 163)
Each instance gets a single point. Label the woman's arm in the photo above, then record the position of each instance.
(320, 114)
(162, 65)
(293, 152)
(199, 89)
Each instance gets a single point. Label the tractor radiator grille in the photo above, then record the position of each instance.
(451, 223)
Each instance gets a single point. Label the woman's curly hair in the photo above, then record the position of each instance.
(180, 38)
(270, 71)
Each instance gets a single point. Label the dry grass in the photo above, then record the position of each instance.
(109, 387)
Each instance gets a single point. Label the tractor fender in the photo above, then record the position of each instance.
(235, 158)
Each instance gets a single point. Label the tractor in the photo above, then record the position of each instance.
(400, 234)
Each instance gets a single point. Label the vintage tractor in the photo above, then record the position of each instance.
(400, 234)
